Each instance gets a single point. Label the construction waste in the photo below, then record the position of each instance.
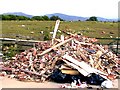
(72, 59)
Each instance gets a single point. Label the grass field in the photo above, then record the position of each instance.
(25, 29)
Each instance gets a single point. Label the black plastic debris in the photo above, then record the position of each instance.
(95, 79)
(60, 77)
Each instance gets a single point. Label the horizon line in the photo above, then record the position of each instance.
(64, 14)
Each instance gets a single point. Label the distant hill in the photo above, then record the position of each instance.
(76, 18)
(67, 17)
(104, 19)
(62, 16)
(18, 13)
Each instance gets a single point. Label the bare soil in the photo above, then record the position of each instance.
(6, 82)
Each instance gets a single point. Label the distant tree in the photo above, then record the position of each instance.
(46, 18)
(40, 18)
(22, 18)
(0, 17)
(13, 17)
(54, 18)
(5, 17)
(114, 21)
(93, 18)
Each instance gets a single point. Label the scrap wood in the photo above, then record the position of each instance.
(99, 54)
(68, 33)
(65, 66)
(79, 53)
(70, 72)
(55, 30)
(98, 64)
(59, 44)
(111, 57)
(62, 38)
(91, 61)
(58, 40)
(83, 65)
(54, 63)
(82, 71)
(100, 48)
(83, 43)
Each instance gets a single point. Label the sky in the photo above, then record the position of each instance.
(84, 8)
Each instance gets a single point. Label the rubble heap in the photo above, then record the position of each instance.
(77, 52)
(75, 55)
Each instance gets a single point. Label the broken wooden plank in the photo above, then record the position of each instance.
(83, 65)
(83, 43)
(70, 72)
(55, 30)
(65, 66)
(82, 71)
(101, 49)
(98, 64)
(53, 47)
(91, 61)
(62, 38)
(82, 55)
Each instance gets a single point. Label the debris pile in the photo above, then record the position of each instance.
(73, 58)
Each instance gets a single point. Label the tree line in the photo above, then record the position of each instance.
(39, 18)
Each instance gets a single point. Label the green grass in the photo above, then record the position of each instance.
(10, 29)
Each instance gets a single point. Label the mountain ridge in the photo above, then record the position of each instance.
(62, 16)
(76, 18)
(18, 13)
(68, 17)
